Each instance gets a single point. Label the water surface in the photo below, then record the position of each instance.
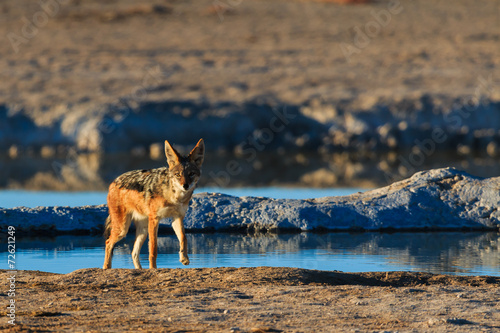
(449, 253)
(16, 198)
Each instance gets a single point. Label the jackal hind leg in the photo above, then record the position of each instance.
(141, 233)
(178, 227)
(120, 223)
(153, 240)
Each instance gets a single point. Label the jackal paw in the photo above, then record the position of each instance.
(184, 260)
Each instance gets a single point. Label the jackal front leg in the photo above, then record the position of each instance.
(178, 226)
(153, 240)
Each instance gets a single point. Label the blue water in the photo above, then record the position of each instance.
(448, 253)
(16, 198)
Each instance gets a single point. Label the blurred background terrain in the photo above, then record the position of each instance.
(284, 92)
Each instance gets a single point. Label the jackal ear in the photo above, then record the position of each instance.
(197, 154)
(173, 157)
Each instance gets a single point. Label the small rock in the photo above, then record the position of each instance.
(47, 152)
(392, 142)
(384, 131)
(493, 149)
(403, 126)
(458, 321)
(463, 149)
(432, 321)
(156, 151)
(13, 151)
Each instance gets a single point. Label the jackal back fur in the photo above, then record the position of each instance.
(146, 196)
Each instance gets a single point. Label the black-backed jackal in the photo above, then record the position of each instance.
(146, 196)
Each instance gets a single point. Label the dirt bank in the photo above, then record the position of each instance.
(116, 76)
(261, 299)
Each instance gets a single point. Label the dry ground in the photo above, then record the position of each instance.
(89, 53)
(259, 299)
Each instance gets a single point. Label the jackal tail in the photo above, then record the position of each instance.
(107, 228)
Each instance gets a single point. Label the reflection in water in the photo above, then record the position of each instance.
(453, 253)
(93, 172)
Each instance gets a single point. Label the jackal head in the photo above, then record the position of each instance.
(185, 170)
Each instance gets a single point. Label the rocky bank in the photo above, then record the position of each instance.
(441, 199)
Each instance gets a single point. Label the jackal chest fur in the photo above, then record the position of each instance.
(175, 205)
(172, 211)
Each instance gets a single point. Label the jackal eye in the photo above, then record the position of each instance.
(177, 174)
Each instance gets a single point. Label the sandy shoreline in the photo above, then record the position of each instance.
(261, 299)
